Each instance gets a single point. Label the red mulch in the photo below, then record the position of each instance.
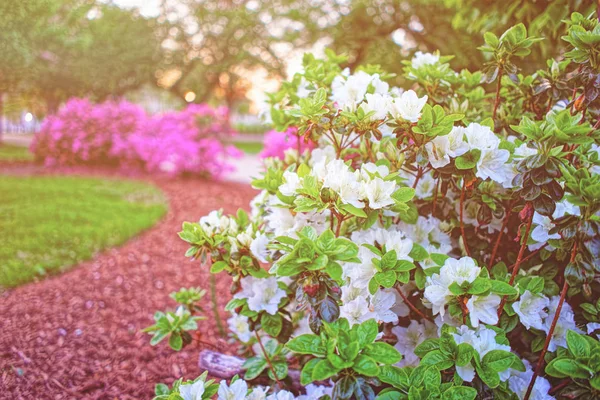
(77, 335)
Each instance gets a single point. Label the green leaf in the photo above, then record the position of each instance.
(307, 371)
(426, 346)
(460, 393)
(479, 286)
(323, 370)
(382, 352)
(307, 344)
(418, 252)
(569, 367)
(271, 324)
(397, 377)
(502, 288)
(498, 360)
(367, 332)
(354, 210)
(218, 267)
(176, 341)
(344, 388)
(468, 160)
(403, 194)
(281, 369)
(254, 366)
(464, 354)
(386, 279)
(488, 376)
(578, 345)
(365, 366)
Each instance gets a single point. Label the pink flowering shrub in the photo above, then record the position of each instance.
(83, 133)
(276, 143)
(187, 141)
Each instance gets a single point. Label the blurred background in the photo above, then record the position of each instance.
(163, 54)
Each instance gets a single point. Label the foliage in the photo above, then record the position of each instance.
(50, 223)
(9, 153)
(433, 243)
(122, 134)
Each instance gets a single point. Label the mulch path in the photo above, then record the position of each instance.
(78, 335)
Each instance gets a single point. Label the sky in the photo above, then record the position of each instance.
(148, 8)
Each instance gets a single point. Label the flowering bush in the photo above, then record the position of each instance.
(189, 141)
(435, 245)
(276, 143)
(84, 133)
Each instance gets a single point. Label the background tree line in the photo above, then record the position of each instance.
(55, 49)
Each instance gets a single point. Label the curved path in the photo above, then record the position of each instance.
(77, 335)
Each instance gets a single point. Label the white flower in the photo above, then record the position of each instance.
(541, 233)
(481, 137)
(261, 294)
(442, 148)
(565, 323)
(593, 327)
(258, 393)
(437, 291)
(341, 180)
(425, 186)
(491, 165)
(237, 390)
(531, 309)
(409, 338)
(215, 223)
(381, 303)
(258, 247)
(379, 193)
(351, 91)
(461, 270)
(369, 169)
(192, 391)
(292, 183)
(523, 151)
(356, 311)
(519, 382)
(484, 309)
(483, 341)
(408, 106)
(378, 103)
(420, 59)
(315, 392)
(281, 395)
(238, 325)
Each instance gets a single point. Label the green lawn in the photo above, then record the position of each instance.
(14, 153)
(249, 147)
(50, 223)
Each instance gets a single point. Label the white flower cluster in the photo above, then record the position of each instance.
(492, 162)
(215, 223)
(261, 294)
(437, 293)
(537, 311)
(371, 94)
(238, 390)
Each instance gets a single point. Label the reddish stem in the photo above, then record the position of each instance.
(540, 364)
(497, 245)
(268, 359)
(462, 224)
(435, 196)
(519, 261)
(498, 86)
(412, 306)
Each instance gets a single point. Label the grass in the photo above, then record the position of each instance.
(249, 147)
(12, 153)
(48, 224)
